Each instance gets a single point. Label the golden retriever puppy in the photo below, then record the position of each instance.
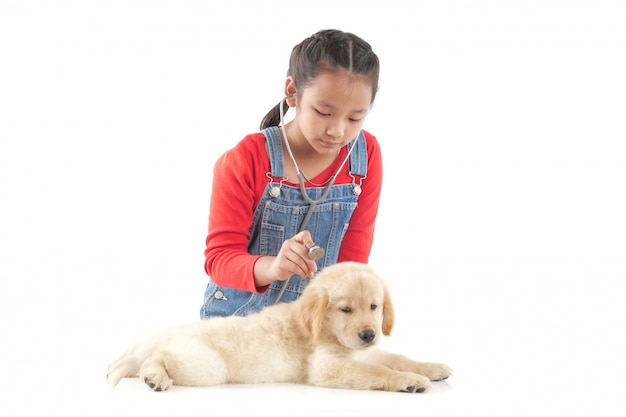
(324, 338)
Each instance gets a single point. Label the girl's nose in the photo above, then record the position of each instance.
(335, 130)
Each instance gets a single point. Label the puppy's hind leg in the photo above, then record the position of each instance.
(195, 365)
(154, 372)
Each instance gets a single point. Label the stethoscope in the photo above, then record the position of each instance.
(315, 252)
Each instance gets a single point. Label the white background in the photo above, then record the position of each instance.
(501, 230)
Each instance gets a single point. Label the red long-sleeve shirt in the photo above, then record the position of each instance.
(239, 181)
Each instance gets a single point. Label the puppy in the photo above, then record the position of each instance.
(324, 338)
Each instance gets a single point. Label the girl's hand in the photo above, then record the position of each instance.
(291, 259)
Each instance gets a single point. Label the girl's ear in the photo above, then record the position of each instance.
(290, 92)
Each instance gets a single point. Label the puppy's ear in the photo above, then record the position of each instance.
(388, 314)
(313, 305)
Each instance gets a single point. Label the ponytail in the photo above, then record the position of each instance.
(272, 118)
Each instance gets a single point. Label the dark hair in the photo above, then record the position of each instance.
(328, 49)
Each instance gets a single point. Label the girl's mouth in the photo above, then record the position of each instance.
(330, 144)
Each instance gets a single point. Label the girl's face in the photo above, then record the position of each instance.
(331, 110)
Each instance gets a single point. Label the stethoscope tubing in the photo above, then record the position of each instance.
(312, 202)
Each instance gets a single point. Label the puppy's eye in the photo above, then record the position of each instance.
(346, 310)
(373, 306)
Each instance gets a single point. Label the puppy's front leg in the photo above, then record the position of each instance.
(353, 374)
(434, 371)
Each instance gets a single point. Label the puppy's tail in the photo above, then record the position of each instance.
(126, 365)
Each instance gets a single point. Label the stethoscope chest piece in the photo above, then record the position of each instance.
(315, 252)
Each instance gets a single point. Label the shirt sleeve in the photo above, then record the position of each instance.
(357, 243)
(231, 210)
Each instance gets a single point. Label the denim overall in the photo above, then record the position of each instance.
(278, 217)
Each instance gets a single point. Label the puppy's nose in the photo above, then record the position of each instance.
(367, 335)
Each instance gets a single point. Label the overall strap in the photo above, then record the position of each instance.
(357, 164)
(274, 151)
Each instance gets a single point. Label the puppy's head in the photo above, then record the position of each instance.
(349, 303)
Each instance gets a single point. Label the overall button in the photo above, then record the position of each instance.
(219, 295)
(274, 191)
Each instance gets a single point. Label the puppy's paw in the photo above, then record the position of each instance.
(157, 382)
(436, 371)
(408, 382)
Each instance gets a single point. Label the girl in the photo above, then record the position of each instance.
(314, 180)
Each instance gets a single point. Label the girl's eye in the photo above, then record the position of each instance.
(346, 310)
(351, 119)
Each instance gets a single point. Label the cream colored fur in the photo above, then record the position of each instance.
(324, 338)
